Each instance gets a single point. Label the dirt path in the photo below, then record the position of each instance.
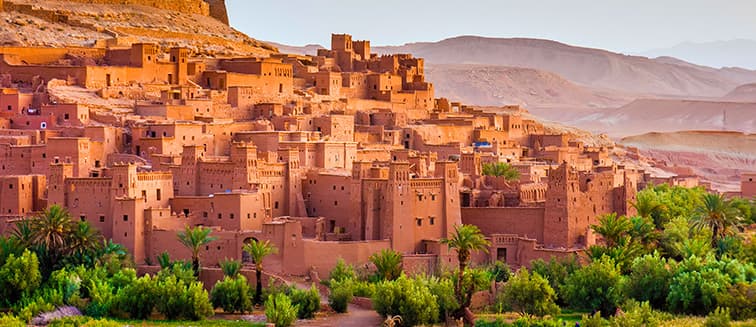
(355, 317)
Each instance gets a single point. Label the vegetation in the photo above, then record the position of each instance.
(465, 240)
(529, 294)
(194, 238)
(258, 250)
(280, 311)
(388, 263)
(501, 169)
(341, 294)
(232, 294)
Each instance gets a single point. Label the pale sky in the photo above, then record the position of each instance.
(618, 25)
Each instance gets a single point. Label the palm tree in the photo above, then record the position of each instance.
(50, 231)
(647, 206)
(388, 263)
(84, 242)
(193, 239)
(612, 228)
(465, 239)
(718, 214)
(258, 250)
(501, 169)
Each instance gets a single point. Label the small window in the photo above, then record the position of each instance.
(83, 218)
(230, 216)
(204, 214)
(125, 217)
(102, 219)
(419, 222)
(275, 205)
(432, 220)
(220, 216)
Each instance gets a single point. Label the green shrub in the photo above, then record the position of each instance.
(280, 311)
(19, 277)
(11, 321)
(649, 280)
(340, 296)
(720, 317)
(342, 271)
(556, 271)
(740, 299)
(232, 294)
(101, 299)
(388, 264)
(230, 267)
(639, 314)
(499, 271)
(409, 298)
(363, 288)
(28, 308)
(177, 299)
(529, 294)
(307, 302)
(138, 299)
(594, 320)
(597, 286)
(697, 281)
(443, 290)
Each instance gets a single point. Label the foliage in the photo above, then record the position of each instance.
(340, 296)
(306, 301)
(740, 299)
(675, 201)
(679, 241)
(408, 298)
(194, 238)
(258, 250)
(363, 288)
(232, 294)
(230, 267)
(138, 298)
(612, 228)
(638, 314)
(718, 214)
(280, 311)
(177, 299)
(529, 294)
(556, 271)
(647, 205)
(594, 320)
(499, 271)
(597, 286)
(388, 263)
(649, 280)
(11, 321)
(720, 317)
(342, 271)
(443, 290)
(465, 240)
(19, 277)
(29, 307)
(501, 169)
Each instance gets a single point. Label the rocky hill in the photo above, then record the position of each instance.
(746, 93)
(584, 66)
(198, 24)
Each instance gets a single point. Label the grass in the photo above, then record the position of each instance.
(87, 321)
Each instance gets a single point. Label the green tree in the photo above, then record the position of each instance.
(341, 294)
(465, 240)
(409, 298)
(230, 267)
(232, 294)
(501, 169)
(342, 271)
(50, 231)
(597, 286)
(718, 214)
(388, 263)
(258, 250)
(529, 294)
(307, 302)
(612, 228)
(556, 271)
(648, 206)
(138, 298)
(194, 238)
(19, 277)
(649, 280)
(740, 299)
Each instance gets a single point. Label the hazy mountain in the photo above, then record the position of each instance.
(590, 67)
(732, 53)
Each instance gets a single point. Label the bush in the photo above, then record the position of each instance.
(363, 288)
(280, 311)
(639, 314)
(740, 299)
(307, 302)
(443, 290)
(649, 280)
(177, 299)
(11, 321)
(19, 277)
(499, 271)
(340, 296)
(230, 267)
(409, 298)
(697, 282)
(718, 318)
(342, 271)
(138, 298)
(594, 320)
(597, 286)
(388, 264)
(556, 271)
(28, 308)
(232, 294)
(101, 298)
(529, 294)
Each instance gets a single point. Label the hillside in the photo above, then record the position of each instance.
(591, 67)
(719, 157)
(746, 93)
(48, 23)
(656, 115)
(498, 85)
(730, 53)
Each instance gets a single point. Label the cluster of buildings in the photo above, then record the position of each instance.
(341, 154)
